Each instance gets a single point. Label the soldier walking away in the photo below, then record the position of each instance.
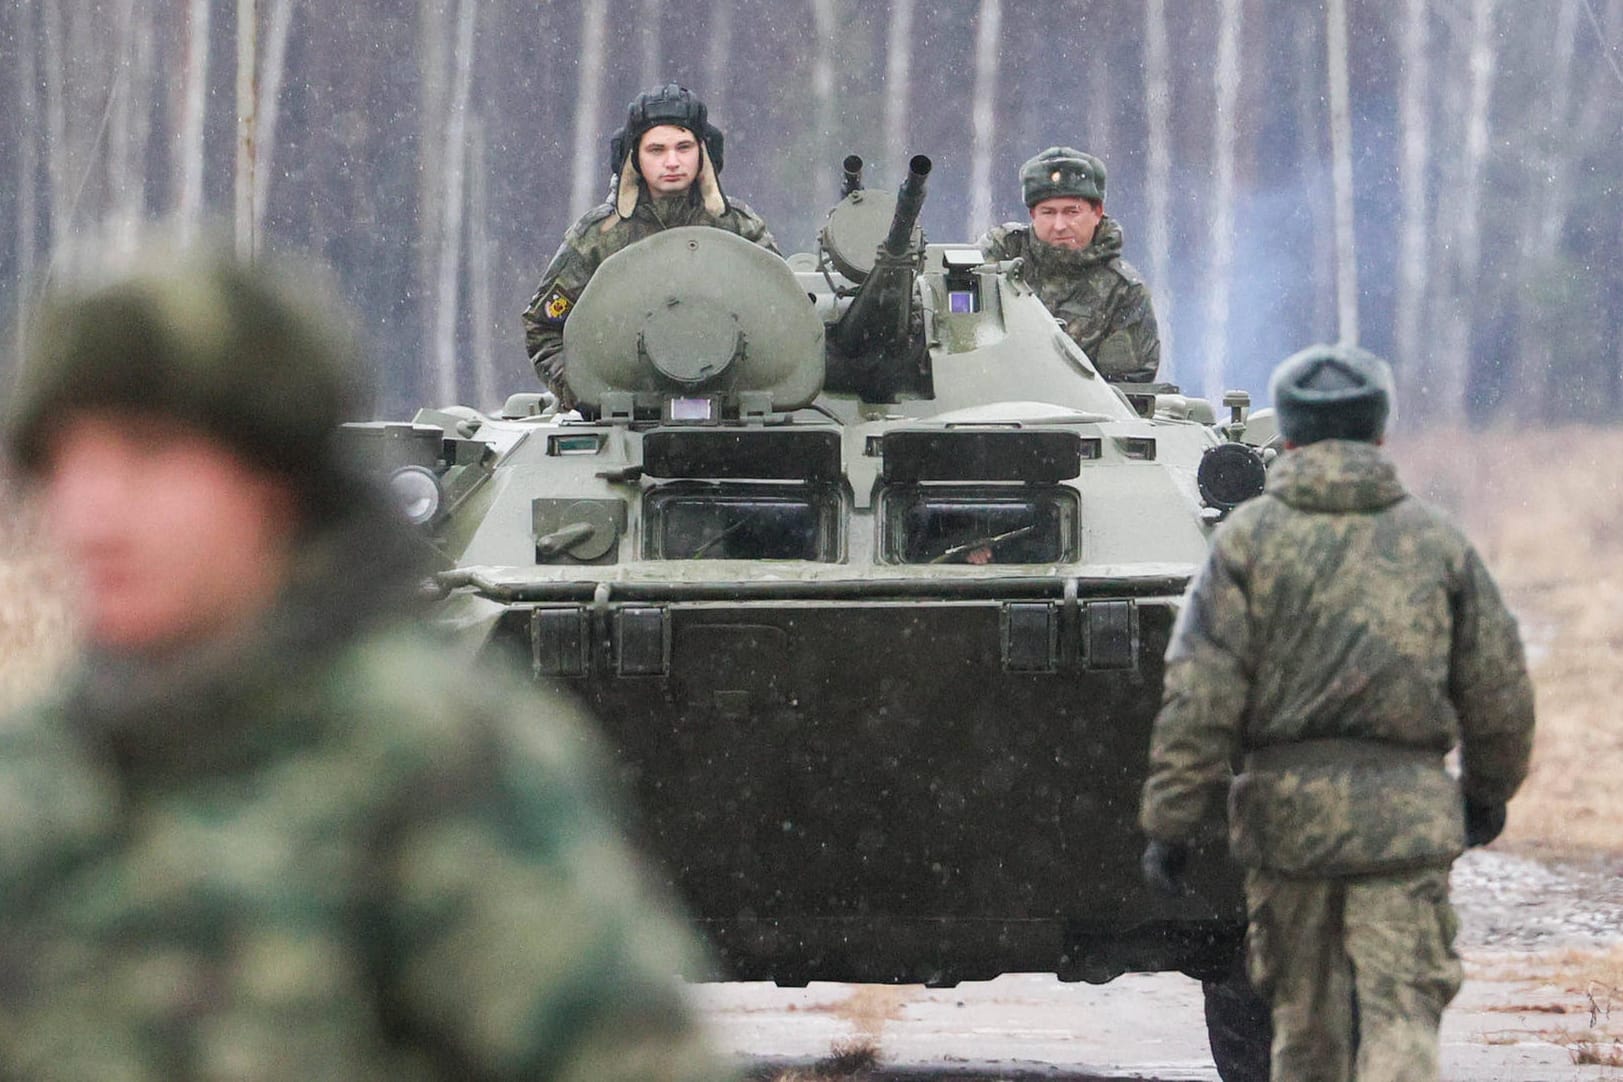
(1071, 255)
(1341, 637)
(267, 831)
(667, 167)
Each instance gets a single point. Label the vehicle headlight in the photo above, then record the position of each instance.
(1230, 474)
(416, 493)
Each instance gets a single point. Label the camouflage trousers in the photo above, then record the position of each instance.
(1358, 971)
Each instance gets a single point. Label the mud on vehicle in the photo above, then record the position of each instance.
(867, 574)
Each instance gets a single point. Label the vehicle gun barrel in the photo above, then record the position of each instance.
(851, 175)
(871, 344)
(909, 201)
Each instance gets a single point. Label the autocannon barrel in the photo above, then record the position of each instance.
(871, 344)
(909, 201)
(851, 175)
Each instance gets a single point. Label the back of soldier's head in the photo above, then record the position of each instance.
(1332, 393)
(246, 354)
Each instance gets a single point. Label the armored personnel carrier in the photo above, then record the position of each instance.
(868, 575)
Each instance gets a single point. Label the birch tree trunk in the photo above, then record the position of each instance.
(56, 126)
(1529, 366)
(1449, 385)
(1157, 110)
(486, 387)
(898, 81)
(194, 114)
(648, 30)
(1309, 102)
(27, 237)
(719, 61)
(1335, 38)
(446, 308)
(988, 33)
(585, 156)
(1414, 128)
(1101, 99)
(121, 129)
(1221, 266)
(826, 20)
(278, 29)
(433, 35)
(247, 116)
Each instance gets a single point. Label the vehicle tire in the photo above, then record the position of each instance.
(1239, 1026)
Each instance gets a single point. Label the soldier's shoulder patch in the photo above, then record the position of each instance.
(556, 304)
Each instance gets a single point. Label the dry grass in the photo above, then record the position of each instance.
(1546, 511)
(1585, 987)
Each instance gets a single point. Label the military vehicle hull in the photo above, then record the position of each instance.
(878, 651)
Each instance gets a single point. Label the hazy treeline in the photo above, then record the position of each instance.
(1435, 178)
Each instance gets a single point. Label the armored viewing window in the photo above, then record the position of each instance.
(959, 525)
(742, 522)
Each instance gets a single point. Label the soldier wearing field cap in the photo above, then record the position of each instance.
(1071, 255)
(666, 162)
(266, 830)
(1341, 638)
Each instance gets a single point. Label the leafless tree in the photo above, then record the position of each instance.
(648, 31)
(27, 235)
(194, 115)
(587, 172)
(486, 387)
(1335, 38)
(1157, 109)
(1413, 234)
(247, 116)
(1448, 380)
(446, 308)
(826, 20)
(988, 34)
(1221, 265)
(272, 71)
(719, 60)
(898, 78)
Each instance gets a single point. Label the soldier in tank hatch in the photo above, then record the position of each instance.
(267, 830)
(667, 166)
(1341, 638)
(1071, 253)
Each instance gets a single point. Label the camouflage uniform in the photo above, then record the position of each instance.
(598, 235)
(312, 847)
(1100, 298)
(323, 854)
(1342, 636)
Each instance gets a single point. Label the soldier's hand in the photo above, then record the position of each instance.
(1483, 822)
(1163, 864)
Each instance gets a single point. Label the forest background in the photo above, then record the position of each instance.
(1436, 179)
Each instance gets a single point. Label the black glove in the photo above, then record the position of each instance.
(1163, 864)
(1483, 822)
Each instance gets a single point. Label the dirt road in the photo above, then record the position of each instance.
(1530, 934)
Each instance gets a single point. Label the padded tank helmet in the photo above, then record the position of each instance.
(1060, 172)
(240, 353)
(668, 104)
(1332, 393)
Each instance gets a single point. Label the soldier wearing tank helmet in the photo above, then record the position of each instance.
(1071, 255)
(1341, 638)
(667, 167)
(267, 830)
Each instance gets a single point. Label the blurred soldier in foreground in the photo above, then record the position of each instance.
(1342, 637)
(265, 832)
(667, 167)
(1071, 253)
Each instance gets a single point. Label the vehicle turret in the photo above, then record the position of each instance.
(693, 324)
(875, 348)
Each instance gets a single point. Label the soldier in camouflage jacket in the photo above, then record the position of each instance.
(646, 199)
(304, 843)
(1340, 639)
(1070, 255)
